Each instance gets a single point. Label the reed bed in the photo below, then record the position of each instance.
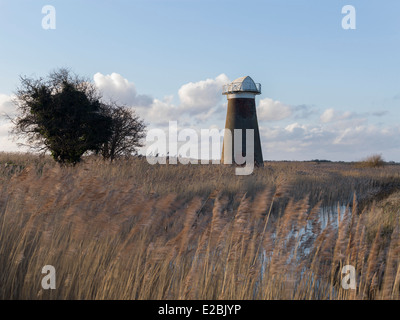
(129, 230)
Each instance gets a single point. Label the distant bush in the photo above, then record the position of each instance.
(373, 161)
(320, 160)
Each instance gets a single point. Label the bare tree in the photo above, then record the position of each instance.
(128, 131)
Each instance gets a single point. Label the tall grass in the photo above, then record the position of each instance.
(197, 232)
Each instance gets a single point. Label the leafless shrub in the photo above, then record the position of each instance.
(373, 161)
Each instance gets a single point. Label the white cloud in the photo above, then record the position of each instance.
(6, 105)
(272, 110)
(6, 140)
(160, 111)
(117, 88)
(327, 116)
(331, 115)
(6, 108)
(295, 128)
(203, 95)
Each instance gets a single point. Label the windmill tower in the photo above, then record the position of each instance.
(241, 114)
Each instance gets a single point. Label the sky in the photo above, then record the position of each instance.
(327, 92)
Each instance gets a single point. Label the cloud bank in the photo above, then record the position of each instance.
(288, 132)
(197, 100)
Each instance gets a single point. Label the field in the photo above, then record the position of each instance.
(129, 230)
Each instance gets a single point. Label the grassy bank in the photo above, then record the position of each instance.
(128, 230)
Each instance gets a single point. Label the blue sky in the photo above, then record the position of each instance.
(327, 92)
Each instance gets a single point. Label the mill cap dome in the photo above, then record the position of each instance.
(243, 84)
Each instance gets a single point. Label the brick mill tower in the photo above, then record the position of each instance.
(241, 114)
